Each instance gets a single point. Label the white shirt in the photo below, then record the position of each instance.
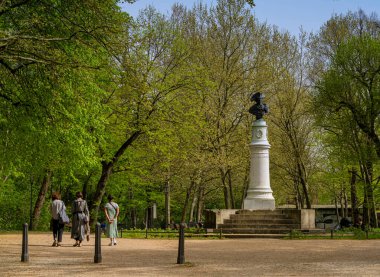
(55, 207)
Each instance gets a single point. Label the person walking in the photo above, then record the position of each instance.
(56, 206)
(80, 219)
(111, 209)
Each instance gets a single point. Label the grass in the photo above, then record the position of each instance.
(346, 233)
(166, 234)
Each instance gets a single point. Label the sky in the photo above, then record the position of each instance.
(285, 14)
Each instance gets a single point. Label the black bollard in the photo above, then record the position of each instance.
(98, 244)
(181, 245)
(25, 253)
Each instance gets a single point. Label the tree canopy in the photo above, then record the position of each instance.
(155, 109)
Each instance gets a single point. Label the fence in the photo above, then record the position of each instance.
(349, 233)
(172, 233)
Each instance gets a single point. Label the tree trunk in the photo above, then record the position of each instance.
(299, 198)
(232, 197)
(186, 203)
(223, 175)
(303, 181)
(200, 203)
(106, 172)
(345, 204)
(85, 185)
(354, 198)
(31, 203)
(40, 200)
(132, 210)
(167, 204)
(365, 209)
(245, 185)
(368, 174)
(192, 208)
(341, 198)
(336, 209)
(100, 190)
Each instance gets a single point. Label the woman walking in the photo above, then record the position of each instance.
(56, 206)
(80, 218)
(111, 209)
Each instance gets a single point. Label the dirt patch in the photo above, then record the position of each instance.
(226, 257)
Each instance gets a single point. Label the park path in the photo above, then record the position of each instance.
(204, 257)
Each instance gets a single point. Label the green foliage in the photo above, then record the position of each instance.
(157, 233)
(13, 215)
(295, 234)
(165, 101)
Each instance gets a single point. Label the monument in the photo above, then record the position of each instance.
(259, 194)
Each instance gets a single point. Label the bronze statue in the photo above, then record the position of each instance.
(258, 109)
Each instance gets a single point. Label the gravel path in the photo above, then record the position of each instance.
(226, 257)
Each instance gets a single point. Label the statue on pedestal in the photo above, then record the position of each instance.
(258, 109)
(259, 193)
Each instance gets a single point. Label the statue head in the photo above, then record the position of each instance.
(259, 108)
(257, 97)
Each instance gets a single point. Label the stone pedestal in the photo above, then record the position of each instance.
(259, 194)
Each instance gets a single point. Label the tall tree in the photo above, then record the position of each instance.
(53, 57)
(149, 73)
(293, 139)
(347, 89)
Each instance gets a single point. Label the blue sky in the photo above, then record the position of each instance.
(286, 14)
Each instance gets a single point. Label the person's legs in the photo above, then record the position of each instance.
(55, 224)
(61, 227)
(88, 231)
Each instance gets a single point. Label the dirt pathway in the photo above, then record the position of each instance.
(227, 257)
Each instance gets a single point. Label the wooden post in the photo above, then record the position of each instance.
(98, 244)
(25, 252)
(181, 245)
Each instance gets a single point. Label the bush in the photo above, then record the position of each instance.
(296, 234)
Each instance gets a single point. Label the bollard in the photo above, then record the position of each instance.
(220, 233)
(146, 233)
(98, 244)
(332, 233)
(25, 253)
(366, 234)
(181, 245)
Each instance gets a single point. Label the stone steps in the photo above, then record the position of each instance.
(260, 226)
(255, 231)
(250, 236)
(260, 223)
(261, 212)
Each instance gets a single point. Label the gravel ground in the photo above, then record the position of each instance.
(203, 257)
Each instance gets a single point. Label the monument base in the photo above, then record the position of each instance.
(259, 204)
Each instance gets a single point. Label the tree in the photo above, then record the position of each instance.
(346, 96)
(225, 38)
(149, 73)
(53, 70)
(353, 83)
(294, 156)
